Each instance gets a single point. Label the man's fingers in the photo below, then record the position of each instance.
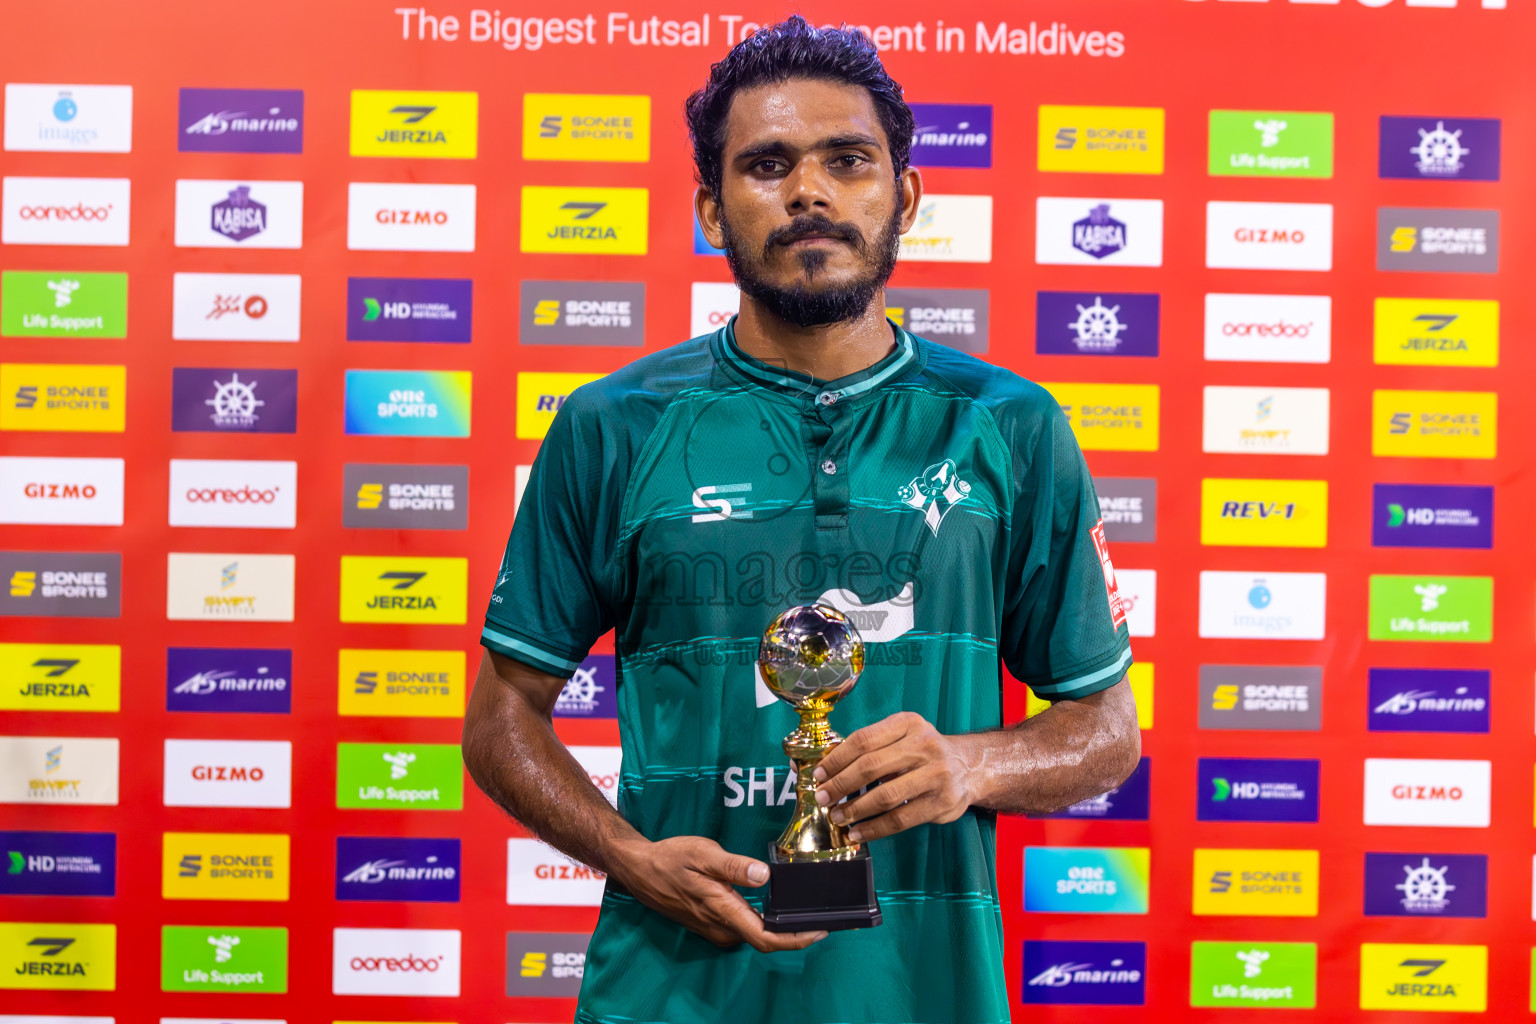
(733, 868)
(735, 914)
(777, 942)
(861, 741)
(880, 799)
(898, 819)
(889, 760)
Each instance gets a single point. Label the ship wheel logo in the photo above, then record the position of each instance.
(234, 401)
(1097, 326)
(1425, 887)
(1439, 151)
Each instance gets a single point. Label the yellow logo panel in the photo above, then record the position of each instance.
(1437, 332)
(62, 396)
(1452, 979)
(1109, 140)
(401, 684)
(1435, 424)
(540, 396)
(566, 126)
(1140, 675)
(1264, 513)
(415, 124)
(58, 956)
(605, 221)
(403, 589)
(60, 677)
(1110, 417)
(1256, 883)
(224, 866)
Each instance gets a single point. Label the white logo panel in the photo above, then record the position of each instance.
(1099, 232)
(713, 306)
(395, 962)
(411, 218)
(950, 229)
(1263, 605)
(62, 491)
(232, 587)
(602, 766)
(1268, 328)
(541, 876)
(1138, 595)
(217, 492)
(64, 211)
(58, 770)
(235, 307)
(1268, 421)
(1428, 793)
(1269, 236)
(228, 773)
(239, 214)
(69, 118)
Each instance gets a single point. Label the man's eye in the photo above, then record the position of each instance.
(767, 166)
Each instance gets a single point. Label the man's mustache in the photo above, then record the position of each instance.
(813, 225)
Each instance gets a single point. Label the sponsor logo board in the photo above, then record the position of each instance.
(395, 962)
(541, 876)
(950, 229)
(1099, 232)
(401, 684)
(69, 118)
(1110, 417)
(61, 491)
(1288, 697)
(1269, 236)
(414, 125)
(1257, 789)
(1425, 793)
(591, 692)
(239, 214)
(70, 956)
(402, 776)
(1452, 979)
(1440, 148)
(219, 400)
(952, 135)
(229, 493)
(601, 221)
(1268, 421)
(228, 773)
(540, 396)
(60, 677)
(223, 959)
(408, 403)
(1458, 609)
(240, 121)
(410, 309)
(1268, 328)
(1437, 332)
(61, 584)
(55, 770)
(957, 317)
(1138, 599)
(410, 217)
(1451, 241)
(390, 589)
(229, 679)
(545, 963)
(1435, 424)
(1263, 605)
(1128, 508)
(1426, 885)
(63, 397)
(581, 313)
(64, 211)
(229, 587)
(1264, 513)
(224, 866)
(1103, 140)
(63, 304)
(1086, 880)
(397, 869)
(1270, 144)
(1096, 323)
(1431, 516)
(1255, 883)
(1429, 700)
(566, 126)
(1254, 974)
(58, 864)
(1085, 973)
(235, 307)
(712, 305)
(404, 497)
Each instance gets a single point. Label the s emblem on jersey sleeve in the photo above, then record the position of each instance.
(936, 491)
(1116, 605)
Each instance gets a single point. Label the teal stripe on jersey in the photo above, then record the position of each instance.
(1083, 684)
(512, 646)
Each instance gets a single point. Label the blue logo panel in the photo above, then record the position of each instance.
(238, 679)
(1085, 973)
(1426, 885)
(397, 869)
(1431, 516)
(1429, 700)
(1096, 324)
(952, 135)
(409, 309)
(590, 692)
(1257, 789)
(58, 864)
(1440, 148)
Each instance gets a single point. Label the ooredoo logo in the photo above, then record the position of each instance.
(221, 493)
(228, 773)
(64, 211)
(395, 962)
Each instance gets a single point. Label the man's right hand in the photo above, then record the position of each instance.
(689, 879)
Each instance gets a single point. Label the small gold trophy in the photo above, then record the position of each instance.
(810, 658)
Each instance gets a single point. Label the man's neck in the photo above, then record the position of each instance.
(825, 353)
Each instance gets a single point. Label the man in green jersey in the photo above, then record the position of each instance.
(809, 451)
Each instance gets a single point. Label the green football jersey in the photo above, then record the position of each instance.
(689, 498)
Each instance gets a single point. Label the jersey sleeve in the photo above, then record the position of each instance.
(1064, 630)
(553, 596)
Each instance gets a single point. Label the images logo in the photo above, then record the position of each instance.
(408, 403)
(1257, 789)
(1128, 508)
(228, 679)
(564, 126)
(1448, 241)
(607, 221)
(244, 214)
(235, 307)
(414, 124)
(591, 692)
(1270, 421)
(47, 769)
(1255, 883)
(1110, 417)
(64, 211)
(414, 497)
(76, 492)
(69, 118)
(1450, 608)
(224, 959)
(1426, 885)
(1106, 140)
(1401, 977)
(540, 396)
(395, 962)
(62, 397)
(238, 587)
(228, 400)
(71, 304)
(404, 684)
(1085, 973)
(1267, 974)
(1099, 232)
(1264, 513)
(950, 229)
(581, 313)
(1437, 332)
(545, 963)
(409, 309)
(957, 317)
(58, 956)
(1269, 236)
(403, 776)
(224, 866)
(1429, 700)
(1086, 880)
(541, 876)
(241, 121)
(228, 773)
(952, 135)
(392, 217)
(60, 584)
(60, 677)
(227, 493)
(59, 864)
(1261, 697)
(397, 869)
(1268, 328)
(1130, 801)
(1435, 424)
(1440, 148)
(1096, 324)
(389, 589)
(1271, 144)
(1428, 793)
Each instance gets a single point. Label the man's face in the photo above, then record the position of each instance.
(810, 211)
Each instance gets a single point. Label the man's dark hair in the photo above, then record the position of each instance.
(777, 53)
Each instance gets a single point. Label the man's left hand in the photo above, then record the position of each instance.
(925, 777)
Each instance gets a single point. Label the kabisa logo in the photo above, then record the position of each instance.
(409, 309)
(413, 776)
(72, 304)
(1255, 883)
(539, 398)
(1111, 417)
(1427, 792)
(64, 211)
(229, 679)
(60, 677)
(395, 962)
(541, 876)
(1437, 332)
(1099, 232)
(62, 397)
(240, 121)
(58, 864)
(1440, 148)
(58, 956)
(591, 691)
(1086, 880)
(581, 313)
(386, 589)
(397, 869)
(545, 963)
(407, 684)
(223, 959)
(564, 126)
(1267, 143)
(50, 769)
(1429, 700)
(230, 400)
(1130, 801)
(228, 773)
(1432, 608)
(69, 118)
(1402, 977)
(1096, 323)
(1261, 697)
(1445, 240)
(240, 214)
(609, 221)
(410, 217)
(1085, 973)
(1260, 974)
(952, 135)
(1257, 789)
(58, 584)
(1105, 140)
(224, 866)
(414, 124)
(1269, 236)
(957, 317)
(404, 497)
(1426, 885)
(1435, 424)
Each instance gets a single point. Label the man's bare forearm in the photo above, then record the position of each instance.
(514, 756)
(1073, 750)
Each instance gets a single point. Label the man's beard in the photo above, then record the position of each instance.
(804, 305)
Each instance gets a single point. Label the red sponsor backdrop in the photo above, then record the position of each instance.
(1355, 59)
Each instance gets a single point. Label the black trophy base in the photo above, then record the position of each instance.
(820, 896)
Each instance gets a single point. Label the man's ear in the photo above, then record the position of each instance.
(707, 209)
(911, 197)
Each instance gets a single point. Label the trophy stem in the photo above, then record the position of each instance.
(811, 835)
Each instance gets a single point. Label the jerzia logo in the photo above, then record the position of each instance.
(403, 589)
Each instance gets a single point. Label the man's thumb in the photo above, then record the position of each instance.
(740, 870)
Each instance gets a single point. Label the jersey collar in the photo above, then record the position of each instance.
(893, 366)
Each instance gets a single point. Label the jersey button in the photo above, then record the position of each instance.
(827, 397)
(828, 467)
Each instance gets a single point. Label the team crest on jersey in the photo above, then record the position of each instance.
(1116, 605)
(935, 492)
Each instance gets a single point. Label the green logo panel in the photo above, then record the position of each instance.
(238, 959)
(1271, 144)
(403, 776)
(1253, 974)
(65, 304)
(1446, 608)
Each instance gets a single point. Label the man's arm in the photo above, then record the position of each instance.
(514, 756)
(1073, 750)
